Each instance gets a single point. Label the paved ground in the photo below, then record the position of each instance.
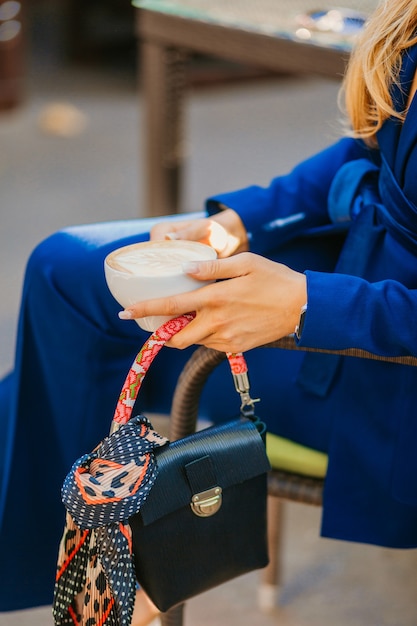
(237, 135)
(326, 583)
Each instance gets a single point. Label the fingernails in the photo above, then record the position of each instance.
(190, 267)
(125, 315)
(171, 236)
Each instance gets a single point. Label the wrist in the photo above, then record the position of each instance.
(299, 303)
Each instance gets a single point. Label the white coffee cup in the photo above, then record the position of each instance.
(153, 269)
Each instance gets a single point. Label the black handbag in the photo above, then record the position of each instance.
(204, 520)
(194, 511)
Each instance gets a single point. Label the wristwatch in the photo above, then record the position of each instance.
(299, 328)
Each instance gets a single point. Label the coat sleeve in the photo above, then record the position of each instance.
(293, 204)
(349, 312)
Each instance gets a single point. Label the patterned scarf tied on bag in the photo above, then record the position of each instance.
(102, 490)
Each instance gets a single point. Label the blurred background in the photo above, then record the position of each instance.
(71, 132)
(71, 127)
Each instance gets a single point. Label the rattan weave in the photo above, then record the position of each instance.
(282, 485)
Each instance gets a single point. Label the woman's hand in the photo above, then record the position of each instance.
(255, 301)
(224, 232)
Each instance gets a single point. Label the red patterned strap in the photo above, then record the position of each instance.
(145, 357)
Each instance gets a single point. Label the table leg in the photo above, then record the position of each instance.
(163, 76)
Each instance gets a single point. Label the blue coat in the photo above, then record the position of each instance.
(73, 353)
(367, 300)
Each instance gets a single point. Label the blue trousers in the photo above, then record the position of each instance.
(72, 356)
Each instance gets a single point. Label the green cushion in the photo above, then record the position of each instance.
(293, 457)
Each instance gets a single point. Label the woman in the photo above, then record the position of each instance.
(359, 288)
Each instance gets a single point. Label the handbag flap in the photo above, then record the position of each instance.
(225, 455)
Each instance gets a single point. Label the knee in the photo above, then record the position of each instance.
(71, 260)
(68, 267)
(53, 256)
(72, 253)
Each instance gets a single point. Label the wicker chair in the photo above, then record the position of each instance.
(282, 485)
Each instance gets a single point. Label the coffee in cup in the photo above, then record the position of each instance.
(153, 269)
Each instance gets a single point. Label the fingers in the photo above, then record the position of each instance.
(205, 230)
(250, 301)
(194, 336)
(210, 232)
(193, 230)
(170, 306)
(220, 269)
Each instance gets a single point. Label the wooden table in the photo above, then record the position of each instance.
(263, 33)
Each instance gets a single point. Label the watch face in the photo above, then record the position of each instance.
(300, 326)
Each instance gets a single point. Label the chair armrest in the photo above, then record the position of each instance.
(288, 343)
(185, 403)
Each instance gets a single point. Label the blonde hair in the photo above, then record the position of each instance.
(374, 67)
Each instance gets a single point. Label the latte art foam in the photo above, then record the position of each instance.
(153, 269)
(156, 258)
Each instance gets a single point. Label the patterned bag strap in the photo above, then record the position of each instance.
(145, 357)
